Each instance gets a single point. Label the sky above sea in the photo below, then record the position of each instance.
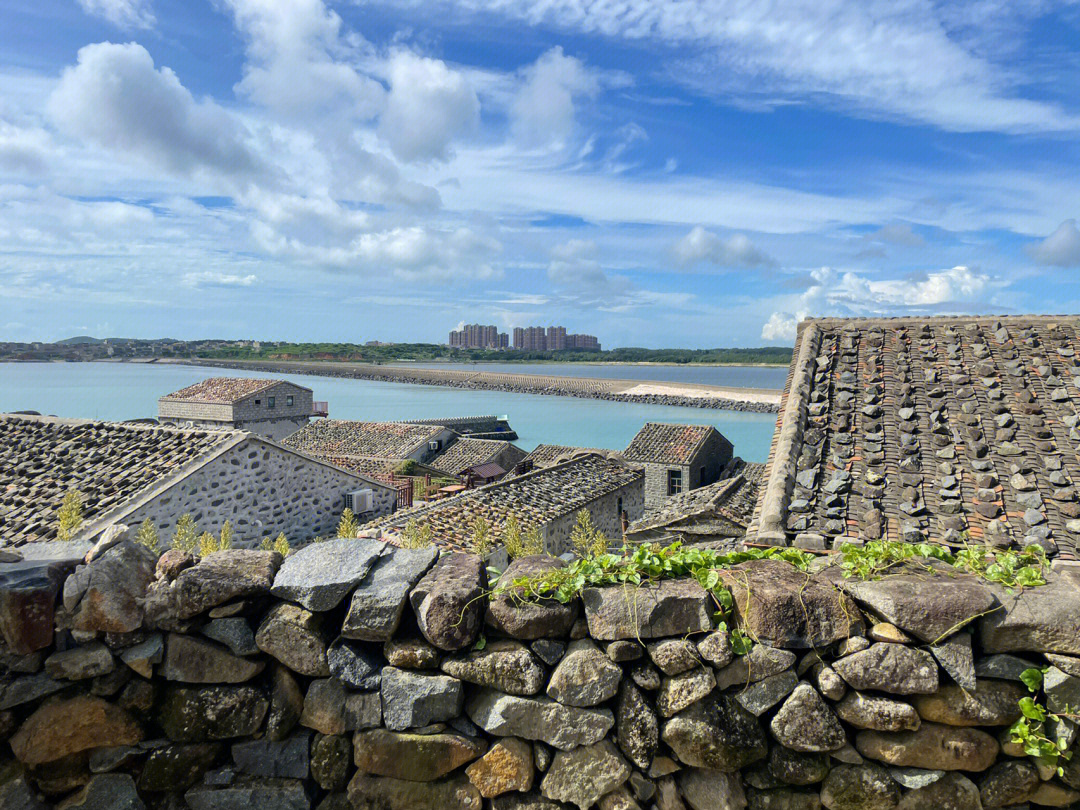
(654, 172)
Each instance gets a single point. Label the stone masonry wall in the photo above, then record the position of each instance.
(262, 490)
(355, 675)
(605, 515)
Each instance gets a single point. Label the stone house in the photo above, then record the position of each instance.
(271, 408)
(466, 453)
(349, 439)
(548, 499)
(677, 458)
(127, 473)
(714, 514)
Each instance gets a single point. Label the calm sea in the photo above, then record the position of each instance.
(129, 390)
(737, 376)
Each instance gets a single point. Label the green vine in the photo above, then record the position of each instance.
(1030, 731)
(1012, 569)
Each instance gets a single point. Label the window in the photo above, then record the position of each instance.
(270, 402)
(288, 401)
(258, 402)
(674, 482)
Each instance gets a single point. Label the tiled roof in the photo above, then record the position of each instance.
(466, 453)
(667, 444)
(723, 506)
(937, 428)
(339, 437)
(545, 455)
(224, 390)
(42, 458)
(536, 499)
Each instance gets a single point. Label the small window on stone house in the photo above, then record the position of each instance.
(674, 482)
(270, 402)
(288, 401)
(258, 402)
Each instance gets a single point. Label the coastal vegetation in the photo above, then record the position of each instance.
(765, 355)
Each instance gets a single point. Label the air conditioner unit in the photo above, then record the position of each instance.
(360, 501)
(434, 444)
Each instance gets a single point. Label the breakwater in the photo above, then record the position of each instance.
(354, 675)
(683, 395)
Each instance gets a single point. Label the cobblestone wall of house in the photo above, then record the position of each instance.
(656, 481)
(261, 490)
(357, 675)
(605, 515)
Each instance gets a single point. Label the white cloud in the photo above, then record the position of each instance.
(413, 253)
(542, 114)
(897, 234)
(1061, 248)
(298, 60)
(213, 279)
(780, 326)
(24, 150)
(913, 59)
(125, 14)
(429, 105)
(850, 293)
(116, 98)
(701, 245)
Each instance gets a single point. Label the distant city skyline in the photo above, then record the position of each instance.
(658, 172)
(526, 338)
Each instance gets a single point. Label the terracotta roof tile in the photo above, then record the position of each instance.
(667, 444)
(225, 390)
(339, 437)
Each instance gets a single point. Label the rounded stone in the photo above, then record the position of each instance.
(584, 676)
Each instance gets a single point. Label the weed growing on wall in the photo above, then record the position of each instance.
(1030, 731)
(1013, 569)
(186, 536)
(147, 535)
(69, 515)
(348, 526)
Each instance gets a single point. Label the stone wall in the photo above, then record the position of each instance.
(261, 489)
(357, 675)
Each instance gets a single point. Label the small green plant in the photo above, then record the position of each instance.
(186, 536)
(147, 535)
(226, 537)
(69, 515)
(407, 467)
(1012, 569)
(533, 543)
(208, 544)
(280, 544)
(416, 535)
(348, 526)
(1030, 731)
(512, 540)
(587, 540)
(482, 542)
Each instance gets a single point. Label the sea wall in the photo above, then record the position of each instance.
(586, 388)
(357, 675)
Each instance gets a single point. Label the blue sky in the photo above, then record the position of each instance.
(656, 172)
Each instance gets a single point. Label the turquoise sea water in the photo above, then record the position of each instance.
(737, 376)
(129, 390)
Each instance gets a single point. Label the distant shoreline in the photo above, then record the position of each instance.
(579, 363)
(653, 392)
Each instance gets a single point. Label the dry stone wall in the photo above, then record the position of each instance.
(355, 675)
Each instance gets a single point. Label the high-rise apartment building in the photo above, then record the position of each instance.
(551, 339)
(478, 336)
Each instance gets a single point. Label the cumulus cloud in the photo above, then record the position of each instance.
(412, 253)
(298, 62)
(23, 150)
(125, 14)
(896, 234)
(429, 105)
(543, 113)
(1061, 248)
(849, 293)
(115, 97)
(701, 245)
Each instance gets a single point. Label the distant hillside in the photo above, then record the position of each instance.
(79, 340)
